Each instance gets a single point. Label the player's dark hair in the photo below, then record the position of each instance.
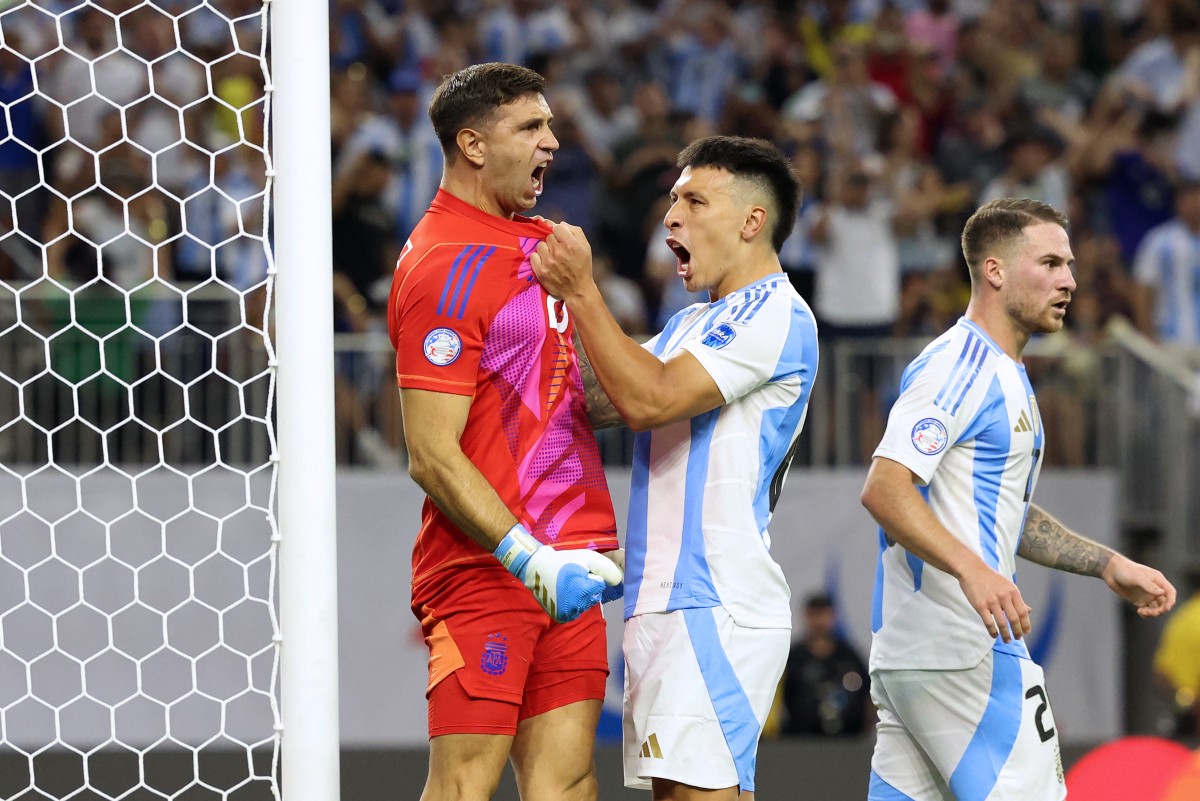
(996, 226)
(467, 98)
(755, 160)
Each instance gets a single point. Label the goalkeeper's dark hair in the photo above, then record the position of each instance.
(759, 162)
(469, 97)
(996, 226)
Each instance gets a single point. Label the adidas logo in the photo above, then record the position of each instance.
(650, 747)
(1022, 423)
(544, 597)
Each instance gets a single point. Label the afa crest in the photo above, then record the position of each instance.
(494, 660)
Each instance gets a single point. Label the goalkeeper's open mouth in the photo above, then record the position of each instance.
(538, 177)
(683, 257)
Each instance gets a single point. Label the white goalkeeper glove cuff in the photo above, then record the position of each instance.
(565, 583)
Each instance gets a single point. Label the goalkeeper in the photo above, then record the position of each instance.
(507, 574)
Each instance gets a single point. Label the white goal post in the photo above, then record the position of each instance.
(303, 242)
(168, 563)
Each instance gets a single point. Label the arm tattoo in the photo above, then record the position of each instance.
(600, 410)
(1047, 542)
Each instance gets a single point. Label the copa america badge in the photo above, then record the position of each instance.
(442, 346)
(929, 436)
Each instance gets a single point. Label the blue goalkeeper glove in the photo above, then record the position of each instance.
(566, 583)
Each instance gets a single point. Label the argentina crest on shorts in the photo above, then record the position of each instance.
(929, 436)
(494, 660)
(442, 346)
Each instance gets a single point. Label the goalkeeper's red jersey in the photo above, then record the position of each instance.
(467, 316)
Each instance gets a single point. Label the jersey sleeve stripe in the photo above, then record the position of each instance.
(950, 379)
(962, 370)
(401, 378)
(474, 271)
(747, 298)
(978, 368)
(452, 278)
(765, 295)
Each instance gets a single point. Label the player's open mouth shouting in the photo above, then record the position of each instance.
(539, 173)
(683, 257)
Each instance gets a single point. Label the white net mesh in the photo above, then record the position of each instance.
(138, 636)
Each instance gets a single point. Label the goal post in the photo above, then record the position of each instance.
(168, 599)
(303, 245)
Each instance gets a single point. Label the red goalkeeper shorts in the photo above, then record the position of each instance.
(496, 657)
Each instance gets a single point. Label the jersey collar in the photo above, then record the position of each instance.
(963, 321)
(517, 226)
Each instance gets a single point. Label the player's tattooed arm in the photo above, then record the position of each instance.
(600, 410)
(1048, 542)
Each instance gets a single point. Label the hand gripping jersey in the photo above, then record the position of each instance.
(467, 316)
(967, 424)
(703, 489)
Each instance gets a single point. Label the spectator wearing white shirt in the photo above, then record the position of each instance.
(857, 287)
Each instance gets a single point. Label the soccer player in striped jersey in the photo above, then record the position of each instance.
(507, 577)
(719, 398)
(963, 712)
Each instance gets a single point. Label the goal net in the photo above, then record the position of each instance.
(139, 642)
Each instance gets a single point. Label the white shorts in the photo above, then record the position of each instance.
(698, 688)
(981, 734)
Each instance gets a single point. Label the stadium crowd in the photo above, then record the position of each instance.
(900, 117)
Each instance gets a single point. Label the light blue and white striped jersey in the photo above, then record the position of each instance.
(967, 424)
(703, 489)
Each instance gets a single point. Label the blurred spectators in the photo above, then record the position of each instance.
(858, 258)
(1032, 169)
(1167, 268)
(901, 117)
(23, 126)
(799, 254)
(826, 687)
(934, 28)
(707, 64)
(857, 293)
(1126, 153)
(845, 107)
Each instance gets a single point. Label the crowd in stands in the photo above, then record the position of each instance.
(900, 116)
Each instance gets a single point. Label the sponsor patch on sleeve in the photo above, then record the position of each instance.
(929, 436)
(719, 337)
(442, 346)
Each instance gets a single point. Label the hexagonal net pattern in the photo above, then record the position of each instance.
(138, 631)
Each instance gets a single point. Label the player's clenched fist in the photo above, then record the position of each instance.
(565, 583)
(563, 261)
